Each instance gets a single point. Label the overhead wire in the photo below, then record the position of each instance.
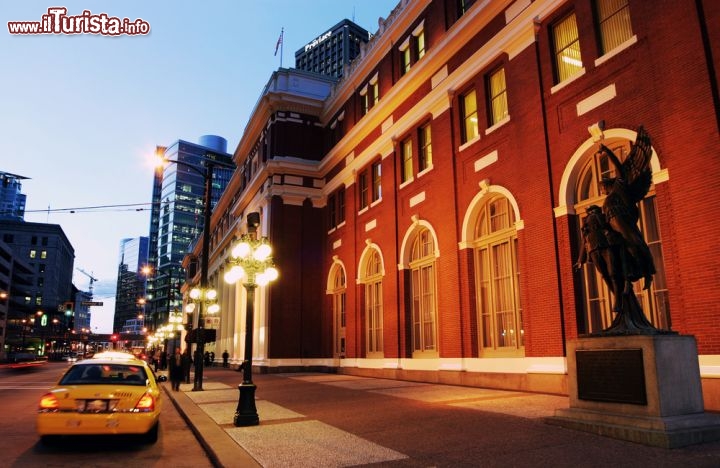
(97, 208)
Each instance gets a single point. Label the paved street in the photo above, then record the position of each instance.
(330, 420)
(339, 420)
(20, 390)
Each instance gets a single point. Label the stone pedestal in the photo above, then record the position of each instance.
(641, 388)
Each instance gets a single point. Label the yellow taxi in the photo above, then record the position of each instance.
(111, 393)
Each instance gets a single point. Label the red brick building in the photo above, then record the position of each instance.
(425, 209)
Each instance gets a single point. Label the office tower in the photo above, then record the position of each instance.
(130, 295)
(177, 216)
(12, 201)
(331, 50)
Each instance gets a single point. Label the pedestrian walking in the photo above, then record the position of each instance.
(156, 359)
(212, 358)
(225, 357)
(188, 364)
(176, 369)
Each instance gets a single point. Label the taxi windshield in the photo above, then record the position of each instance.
(95, 373)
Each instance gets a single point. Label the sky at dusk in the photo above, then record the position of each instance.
(80, 115)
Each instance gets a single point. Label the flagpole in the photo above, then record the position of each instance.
(282, 40)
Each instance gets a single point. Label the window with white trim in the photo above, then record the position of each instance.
(497, 96)
(372, 279)
(566, 48)
(406, 166)
(424, 147)
(500, 322)
(339, 292)
(468, 116)
(613, 23)
(376, 171)
(423, 289)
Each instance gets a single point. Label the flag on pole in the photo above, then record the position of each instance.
(280, 39)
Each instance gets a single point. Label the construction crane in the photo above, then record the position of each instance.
(92, 279)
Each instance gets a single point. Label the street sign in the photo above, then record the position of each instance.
(91, 303)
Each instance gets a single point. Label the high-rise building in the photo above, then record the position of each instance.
(15, 277)
(41, 297)
(178, 215)
(328, 53)
(130, 295)
(81, 313)
(12, 201)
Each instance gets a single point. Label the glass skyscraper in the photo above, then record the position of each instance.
(178, 215)
(12, 201)
(130, 281)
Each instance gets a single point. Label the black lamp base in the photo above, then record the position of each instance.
(246, 412)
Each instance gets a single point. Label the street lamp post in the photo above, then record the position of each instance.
(175, 326)
(204, 260)
(253, 265)
(203, 299)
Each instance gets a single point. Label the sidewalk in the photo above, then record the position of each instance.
(332, 420)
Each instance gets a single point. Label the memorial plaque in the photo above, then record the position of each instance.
(612, 375)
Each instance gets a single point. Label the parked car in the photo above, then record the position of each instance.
(111, 394)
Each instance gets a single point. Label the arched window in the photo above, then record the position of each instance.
(497, 279)
(596, 314)
(372, 278)
(338, 292)
(424, 294)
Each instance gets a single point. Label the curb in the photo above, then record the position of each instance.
(221, 449)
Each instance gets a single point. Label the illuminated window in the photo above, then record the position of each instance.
(420, 44)
(423, 294)
(339, 310)
(33, 253)
(497, 280)
(373, 303)
(406, 171)
(375, 89)
(613, 19)
(405, 60)
(425, 147)
(376, 179)
(566, 43)
(412, 48)
(468, 109)
(497, 94)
